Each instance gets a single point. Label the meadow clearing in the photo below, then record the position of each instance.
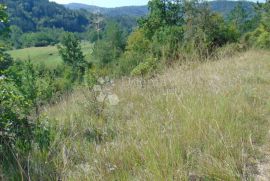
(47, 56)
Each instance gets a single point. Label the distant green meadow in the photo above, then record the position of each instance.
(47, 56)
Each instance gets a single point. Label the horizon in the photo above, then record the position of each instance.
(120, 3)
(104, 3)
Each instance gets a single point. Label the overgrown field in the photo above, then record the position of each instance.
(47, 56)
(198, 121)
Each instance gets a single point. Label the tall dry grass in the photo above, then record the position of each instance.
(198, 121)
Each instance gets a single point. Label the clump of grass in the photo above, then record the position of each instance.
(197, 122)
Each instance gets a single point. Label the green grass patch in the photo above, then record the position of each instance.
(48, 56)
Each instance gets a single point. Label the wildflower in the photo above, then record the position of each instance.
(97, 88)
(64, 155)
(2, 77)
(101, 80)
(111, 167)
(107, 79)
(101, 98)
(113, 100)
(84, 167)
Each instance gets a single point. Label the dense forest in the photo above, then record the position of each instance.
(32, 15)
(173, 33)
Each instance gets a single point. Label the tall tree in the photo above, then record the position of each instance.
(72, 55)
(162, 13)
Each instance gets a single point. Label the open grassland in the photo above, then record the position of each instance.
(199, 121)
(47, 56)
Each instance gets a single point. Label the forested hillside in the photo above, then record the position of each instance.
(32, 15)
(41, 23)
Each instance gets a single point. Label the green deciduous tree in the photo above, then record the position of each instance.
(162, 13)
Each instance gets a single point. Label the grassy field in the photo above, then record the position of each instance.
(199, 121)
(48, 56)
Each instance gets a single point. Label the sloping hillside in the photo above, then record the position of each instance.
(198, 121)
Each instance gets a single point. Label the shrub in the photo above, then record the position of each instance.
(19, 131)
(259, 38)
(229, 50)
(137, 50)
(37, 84)
(16, 130)
(5, 61)
(144, 68)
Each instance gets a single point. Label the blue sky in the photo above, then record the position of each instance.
(105, 3)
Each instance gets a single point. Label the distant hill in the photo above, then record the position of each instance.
(119, 11)
(223, 7)
(32, 15)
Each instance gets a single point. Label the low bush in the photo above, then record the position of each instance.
(19, 131)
